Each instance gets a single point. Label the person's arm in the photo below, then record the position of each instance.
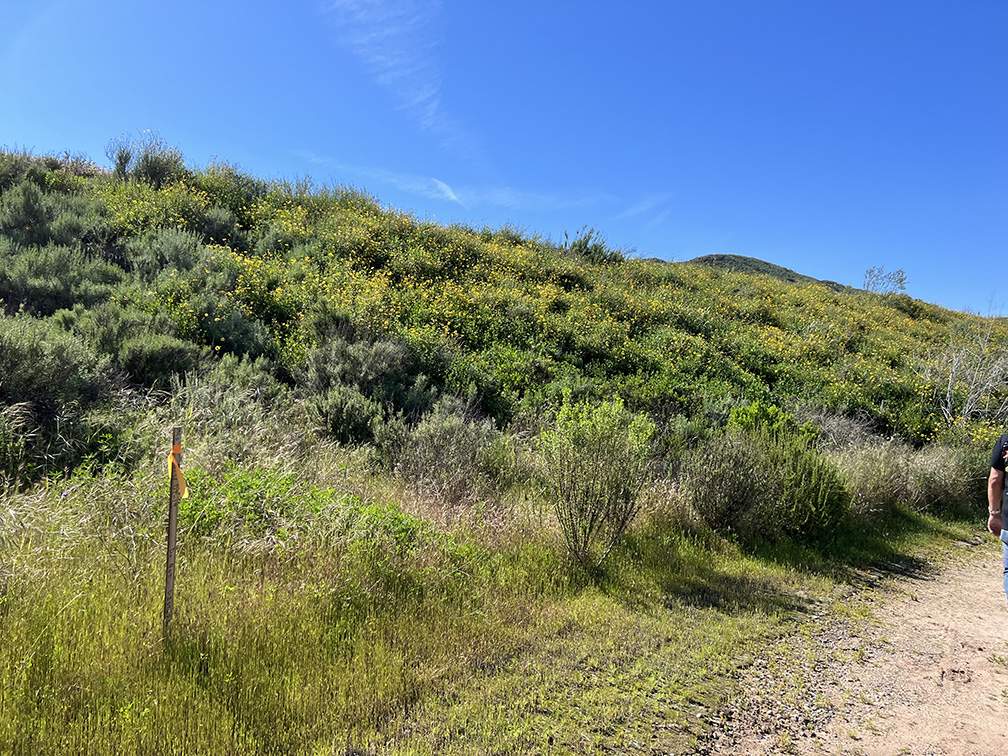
(995, 489)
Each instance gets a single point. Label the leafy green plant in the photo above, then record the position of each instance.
(593, 466)
(758, 415)
(813, 503)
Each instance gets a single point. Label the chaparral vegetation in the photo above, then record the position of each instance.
(451, 489)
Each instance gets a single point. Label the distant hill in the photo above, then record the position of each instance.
(742, 264)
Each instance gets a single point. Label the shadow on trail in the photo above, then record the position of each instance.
(707, 571)
(733, 593)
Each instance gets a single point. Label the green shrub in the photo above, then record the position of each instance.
(50, 369)
(446, 454)
(258, 502)
(23, 216)
(760, 485)
(61, 388)
(219, 225)
(593, 465)
(386, 373)
(769, 418)
(230, 330)
(813, 502)
(77, 221)
(759, 415)
(591, 247)
(14, 168)
(163, 250)
(42, 281)
(153, 358)
(229, 187)
(347, 415)
(147, 159)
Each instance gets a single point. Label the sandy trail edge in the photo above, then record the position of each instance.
(928, 676)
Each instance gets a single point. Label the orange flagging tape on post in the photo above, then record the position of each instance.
(173, 462)
(176, 489)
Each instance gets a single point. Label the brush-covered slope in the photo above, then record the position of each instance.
(114, 281)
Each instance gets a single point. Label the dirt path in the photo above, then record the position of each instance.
(925, 673)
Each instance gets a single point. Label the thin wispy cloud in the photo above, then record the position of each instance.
(657, 220)
(646, 205)
(655, 205)
(420, 186)
(400, 43)
(466, 196)
(515, 199)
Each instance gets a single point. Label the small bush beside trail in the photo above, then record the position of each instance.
(593, 466)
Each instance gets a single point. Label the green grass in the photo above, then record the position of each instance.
(369, 627)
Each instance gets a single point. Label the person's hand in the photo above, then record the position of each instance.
(994, 523)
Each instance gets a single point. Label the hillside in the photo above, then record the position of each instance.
(171, 269)
(450, 489)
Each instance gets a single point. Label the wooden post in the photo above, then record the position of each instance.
(173, 500)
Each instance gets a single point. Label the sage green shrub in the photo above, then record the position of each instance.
(152, 359)
(445, 456)
(760, 485)
(45, 280)
(346, 415)
(23, 215)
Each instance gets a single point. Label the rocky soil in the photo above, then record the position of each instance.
(909, 660)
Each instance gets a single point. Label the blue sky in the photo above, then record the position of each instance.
(827, 136)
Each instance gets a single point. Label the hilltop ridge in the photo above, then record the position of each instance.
(743, 264)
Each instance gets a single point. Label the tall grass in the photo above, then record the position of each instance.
(939, 478)
(281, 641)
(364, 627)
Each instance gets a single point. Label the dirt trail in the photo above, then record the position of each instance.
(929, 675)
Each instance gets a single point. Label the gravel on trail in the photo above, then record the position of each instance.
(907, 661)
